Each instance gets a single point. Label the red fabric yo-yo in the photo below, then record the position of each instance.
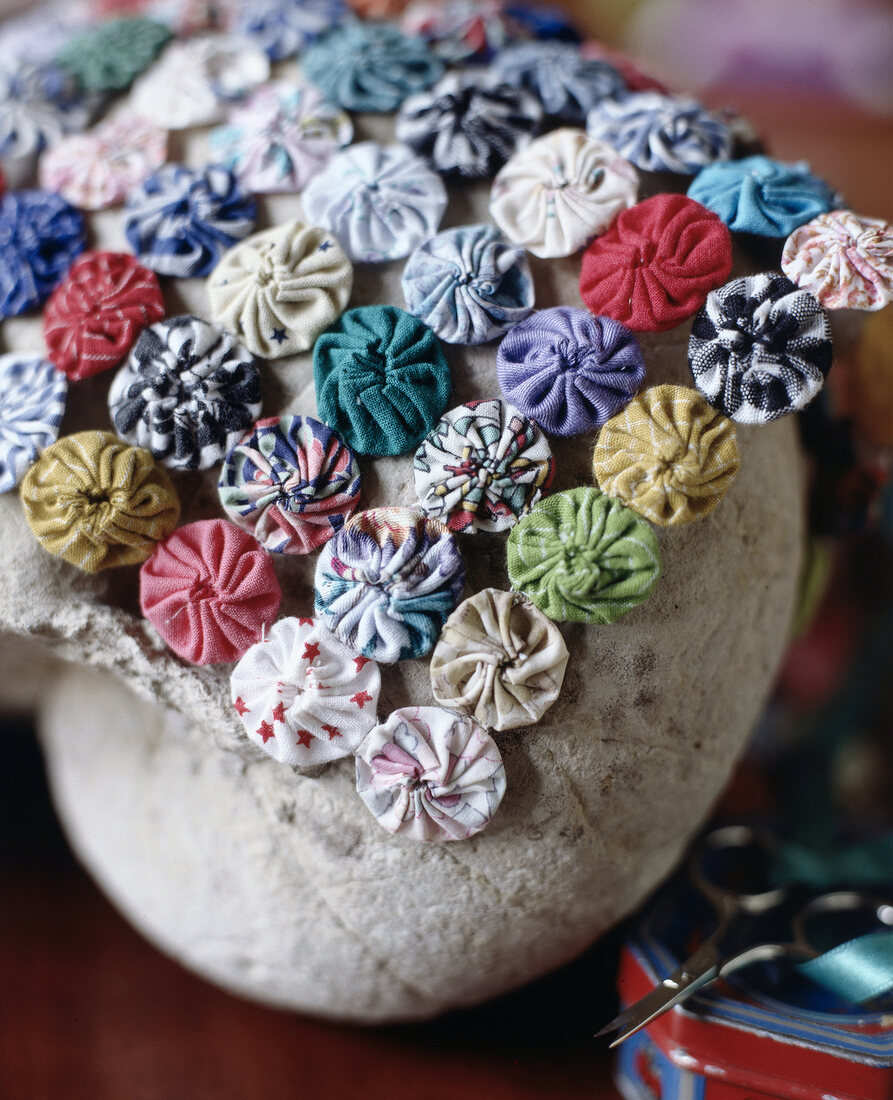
(657, 263)
(209, 590)
(95, 314)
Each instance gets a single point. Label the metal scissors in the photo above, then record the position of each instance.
(741, 912)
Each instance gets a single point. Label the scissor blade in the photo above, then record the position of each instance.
(696, 972)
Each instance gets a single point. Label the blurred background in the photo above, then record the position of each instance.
(90, 1010)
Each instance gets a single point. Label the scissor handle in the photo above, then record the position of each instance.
(878, 909)
(729, 899)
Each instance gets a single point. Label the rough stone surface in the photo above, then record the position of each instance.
(281, 885)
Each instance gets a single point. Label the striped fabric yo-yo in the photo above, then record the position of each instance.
(566, 83)
(95, 314)
(179, 221)
(387, 581)
(303, 696)
(291, 483)
(483, 467)
(210, 591)
(32, 404)
(40, 236)
(468, 124)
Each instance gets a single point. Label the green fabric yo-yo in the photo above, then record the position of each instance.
(583, 557)
(110, 56)
(382, 381)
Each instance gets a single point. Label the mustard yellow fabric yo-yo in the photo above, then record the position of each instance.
(97, 502)
(668, 455)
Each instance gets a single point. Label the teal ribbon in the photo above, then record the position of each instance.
(864, 863)
(857, 970)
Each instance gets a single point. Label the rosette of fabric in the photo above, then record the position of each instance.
(96, 503)
(96, 313)
(37, 33)
(281, 137)
(382, 380)
(468, 124)
(561, 191)
(186, 388)
(32, 403)
(380, 201)
(283, 28)
(370, 66)
(193, 79)
(100, 168)
(500, 660)
(430, 775)
(468, 284)
(38, 106)
(482, 468)
(844, 260)
(40, 235)
(760, 348)
(303, 696)
(762, 196)
(661, 133)
(180, 221)
(110, 55)
(566, 83)
(668, 455)
(279, 289)
(461, 30)
(657, 263)
(387, 581)
(291, 483)
(210, 592)
(569, 371)
(583, 557)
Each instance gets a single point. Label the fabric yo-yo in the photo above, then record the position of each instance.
(96, 313)
(387, 581)
(569, 371)
(380, 201)
(499, 659)
(32, 404)
(468, 124)
(460, 30)
(656, 264)
(844, 260)
(560, 191)
(382, 380)
(430, 775)
(180, 221)
(668, 455)
(303, 696)
(468, 284)
(761, 196)
(483, 466)
(760, 348)
(210, 591)
(186, 387)
(110, 55)
(283, 28)
(291, 483)
(40, 235)
(96, 502)
(370, 66)
(661, 133)
(567, 84)
(279, 289)
(583, 557)
(101, 167)
(279, 138)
